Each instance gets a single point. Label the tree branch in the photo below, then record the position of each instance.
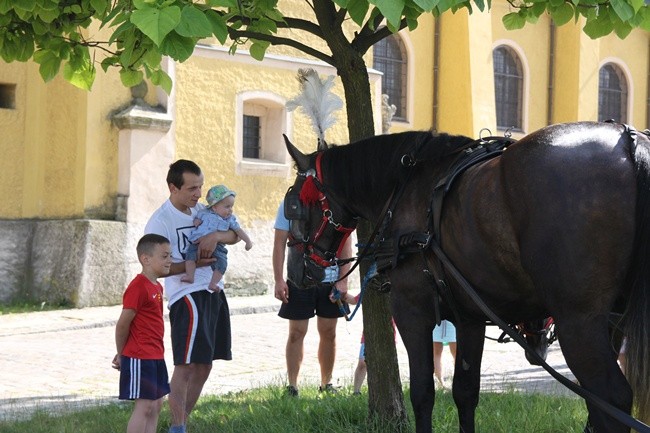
(277, 40)
(367, 38)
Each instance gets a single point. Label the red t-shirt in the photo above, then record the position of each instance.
(147, 329)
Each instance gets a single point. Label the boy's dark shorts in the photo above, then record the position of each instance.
(200, 328)
(143, 378)
(309, 302)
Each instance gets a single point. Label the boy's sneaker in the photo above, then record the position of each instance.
(329, 388)
(292, 391)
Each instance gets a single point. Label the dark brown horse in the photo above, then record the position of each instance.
(557, 225)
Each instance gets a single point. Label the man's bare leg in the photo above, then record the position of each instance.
(186, 384)
(326, 348)
(294, 349)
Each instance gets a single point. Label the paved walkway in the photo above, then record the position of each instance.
(60, 359)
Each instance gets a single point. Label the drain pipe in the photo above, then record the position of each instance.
(551, 71)
(436, 70)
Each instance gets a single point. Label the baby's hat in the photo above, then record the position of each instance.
(218, 193)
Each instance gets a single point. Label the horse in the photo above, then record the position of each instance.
(555, 225)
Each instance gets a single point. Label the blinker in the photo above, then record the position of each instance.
(293, 207)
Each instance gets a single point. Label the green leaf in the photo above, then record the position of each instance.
(358, 9)
(6, 6)
(108, 62)
(443, 6)
(218, 25)
(538, 9)
(25, 48)
(160, 78)
(513, 21)
(258, 49)
(100, 6)
(562, 14)
(555, 3)
(391, 10)
(156, 23)
(622, 29)
(130, 77)
(152, 57)
(480, 4)
(193, 23)
(126, 57)
(177, 47)
(123, 32)
(143, 4)
(49, 64)
(82, 77)
(637, 4)
(600, 26)
(266, 26)
(644, 15)
(26, 5)
(427, 5)
(40, 28)
(624, 11)
(223, 3)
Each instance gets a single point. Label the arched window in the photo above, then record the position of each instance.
(508, 88)
(389, 57)
(612, 94)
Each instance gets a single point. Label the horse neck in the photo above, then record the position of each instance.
(363, 187)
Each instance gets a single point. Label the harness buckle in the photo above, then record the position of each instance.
(407, 160)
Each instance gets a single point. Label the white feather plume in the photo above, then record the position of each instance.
(317, 102)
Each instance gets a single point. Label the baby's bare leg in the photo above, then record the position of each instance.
(190, 268)
(216, 277)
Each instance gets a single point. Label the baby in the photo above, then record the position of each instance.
(217, 216)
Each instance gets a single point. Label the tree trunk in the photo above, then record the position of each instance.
(385, 396)
(385, 400)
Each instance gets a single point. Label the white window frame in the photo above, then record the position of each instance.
(630, 84)
(274, 121)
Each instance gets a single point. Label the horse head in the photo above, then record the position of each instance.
(320, 225)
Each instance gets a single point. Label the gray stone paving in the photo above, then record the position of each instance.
(62, 359)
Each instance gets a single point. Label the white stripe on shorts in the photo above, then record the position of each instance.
(195, 323)
(134, 386)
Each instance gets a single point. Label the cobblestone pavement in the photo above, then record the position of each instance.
(62, 359)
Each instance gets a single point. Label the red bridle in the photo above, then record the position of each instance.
(311, 193)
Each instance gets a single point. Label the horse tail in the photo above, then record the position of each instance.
(637, 315)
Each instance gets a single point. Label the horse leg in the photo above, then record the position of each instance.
(415, 325)
(467, 373)
(589, 354)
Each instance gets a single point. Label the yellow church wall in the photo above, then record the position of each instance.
(60, 146)
(466, 85)
(12, 143)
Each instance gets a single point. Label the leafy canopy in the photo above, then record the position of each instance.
(57, 33)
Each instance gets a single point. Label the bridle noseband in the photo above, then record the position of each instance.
(313, 192)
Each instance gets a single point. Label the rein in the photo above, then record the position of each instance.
(612, 411)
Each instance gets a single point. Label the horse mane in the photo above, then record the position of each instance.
(376, 160)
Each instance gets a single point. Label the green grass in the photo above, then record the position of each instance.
(29, 306)
(268, 410)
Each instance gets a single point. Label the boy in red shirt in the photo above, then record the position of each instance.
(139, 337)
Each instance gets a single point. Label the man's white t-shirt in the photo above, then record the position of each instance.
(176, 226)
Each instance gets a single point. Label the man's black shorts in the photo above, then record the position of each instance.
(309, 302)
(200, 328)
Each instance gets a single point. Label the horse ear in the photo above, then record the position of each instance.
(302, 160)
